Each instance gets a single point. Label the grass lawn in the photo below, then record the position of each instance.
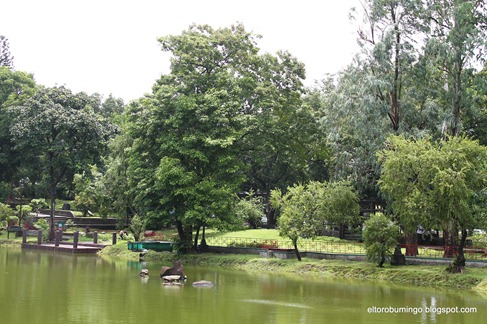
(264, 234)
(261, 233)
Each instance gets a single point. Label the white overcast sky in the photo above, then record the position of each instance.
(110, 46)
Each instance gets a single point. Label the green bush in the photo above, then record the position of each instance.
(43, 225)
(250, 210)
(479, 240)
(38, 204)
(380, 238)
(5, 212)
(137, 227)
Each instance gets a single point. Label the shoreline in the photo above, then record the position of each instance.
(428, 276)
(431, 276)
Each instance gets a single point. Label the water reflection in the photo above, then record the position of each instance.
(64, 288)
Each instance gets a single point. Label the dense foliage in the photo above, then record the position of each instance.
(63, 132)
(228, 119)
(441, 186)
(380, 238)
(305, 210)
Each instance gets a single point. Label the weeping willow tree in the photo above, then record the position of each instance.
(441, 185)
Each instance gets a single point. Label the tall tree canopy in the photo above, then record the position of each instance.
(61, 128)
(388, 47)
(193, 138)
(456, 43)
(416, 71)
(15, 88)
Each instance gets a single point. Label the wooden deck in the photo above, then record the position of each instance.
(65, 247)
(68, 247)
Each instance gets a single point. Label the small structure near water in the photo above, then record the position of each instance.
(59, 246)
(158, 246)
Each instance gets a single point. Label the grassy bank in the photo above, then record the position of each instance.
(417, 275)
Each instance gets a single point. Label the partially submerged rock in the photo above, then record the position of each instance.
(144, 273)
(172, 278)
(203, 283)
(176, 270)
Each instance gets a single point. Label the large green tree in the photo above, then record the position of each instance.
(388, 49)
(15, 88)
(441, 184)
(355, 128)
(62, 130)
(206, 125)
(306, 209)
(456, 43)
(416, 67)
(284, 143)
(182, 162)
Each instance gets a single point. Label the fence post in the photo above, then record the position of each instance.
(24, 236)
(39, 237)
(75, 240)
(95, 237)
(57, 238)
(114, 238)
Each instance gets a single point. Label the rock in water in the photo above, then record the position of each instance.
(203, 283)
(144, 273)
(163, 270)
(172, 278)
(177, 269)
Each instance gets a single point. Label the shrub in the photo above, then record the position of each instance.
(137, 227)
(5, 212)
(380, 238)
(43, 225)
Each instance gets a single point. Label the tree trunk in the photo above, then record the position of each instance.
(382, 256)
(459, 263)
(395, 92)
(295, 244)
(341, 231)
(52, 192)
(11, 197)
(181, 234)
(271, 219)
(204, 246)
(457, 105)
(185, 235)
(195, 245)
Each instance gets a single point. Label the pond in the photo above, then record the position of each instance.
(45, 287)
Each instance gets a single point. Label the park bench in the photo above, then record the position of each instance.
(14, 229)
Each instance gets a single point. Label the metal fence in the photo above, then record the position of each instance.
(303, 245)
(436, 252)
(352, 247)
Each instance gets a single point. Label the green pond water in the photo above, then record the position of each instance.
(44, 287)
